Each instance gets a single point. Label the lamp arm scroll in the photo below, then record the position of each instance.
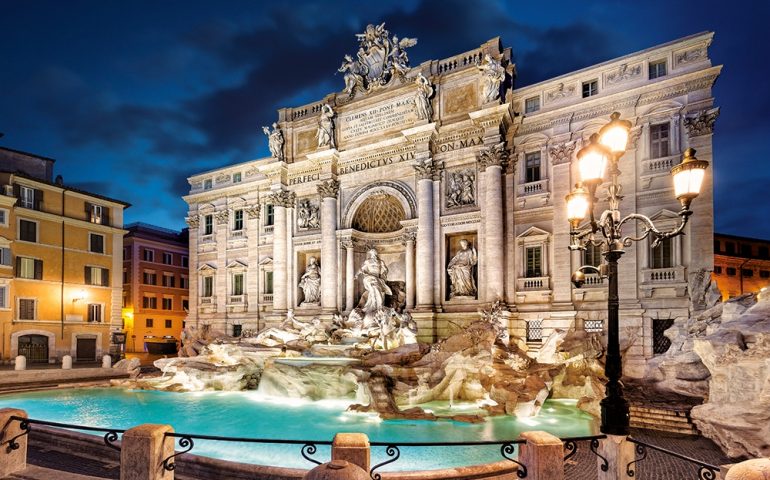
(649, 228)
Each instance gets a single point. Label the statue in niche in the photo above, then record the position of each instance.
(308, 215)
(375, 275)
(493, 74)
(460, 191)
(325, 133)
(310, 283)
(422, 98)
(460, 270)
(275, 141)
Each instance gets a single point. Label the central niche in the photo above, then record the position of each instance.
(380, 213)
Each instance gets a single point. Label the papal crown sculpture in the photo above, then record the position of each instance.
(380, 59)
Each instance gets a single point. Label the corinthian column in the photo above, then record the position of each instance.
(350, 286)
(425, 170)
(328, 190)
(280, 201)
(492, 160)
(409, 254)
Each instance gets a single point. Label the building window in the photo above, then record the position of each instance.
(185, 261)
(97, 276)
(268, 282)
(168, 280)
(659, 136)
(590, 88)
(167, 303)
(148, 322)
(532, 105)
(27, 230)
(27, 308)
(660, 342)
(3, 217)
(183, 282)
(238, 284)
(237, 177)
(95, 243)
(3, 296)
(208, 224)
(29, 268)
(149, 278)
(97, 214)
(185, 304)
(148, 255)
(764, 274)
(532, 161)
(717, 246)
(747, 272)
(27, 197)
(730, 248)
(731, 271)
(149, 302)
(94, 312)
(662, 256)
(5, 256)
(238, 220)
(657, 69)
(718, 269)
(168, 258)
(745, 250)
(207, 184)
(534, 262)
(592, 255)
(169, 323)
(269, 215)
(763, 252)
(125, 276)
(208, 287)
(535, 330)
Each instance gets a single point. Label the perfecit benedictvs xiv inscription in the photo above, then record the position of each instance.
(376, 119)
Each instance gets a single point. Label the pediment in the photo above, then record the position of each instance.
(235, 264)
(266, 261)
(5, 242)
(207, 267)
(532, 232)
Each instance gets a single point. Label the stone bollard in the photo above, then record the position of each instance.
(20, 363)
(543, 455)
(619, 452)
(106, 361)
(353, 448)
(142, 451)
(15, 460)
(66, 362)
(337, 470)
(756, 469)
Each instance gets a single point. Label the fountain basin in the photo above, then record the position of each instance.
(327, 361)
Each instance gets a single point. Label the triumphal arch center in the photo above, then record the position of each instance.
(438, 189)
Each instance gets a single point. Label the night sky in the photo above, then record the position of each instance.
(131, 98)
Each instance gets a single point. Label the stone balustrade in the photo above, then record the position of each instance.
(533, 188)
(660, 165)
(533, 283)
(664, 275)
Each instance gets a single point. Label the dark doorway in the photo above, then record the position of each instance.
(34, 348)
(86, 350)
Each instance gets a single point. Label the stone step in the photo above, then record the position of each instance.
(668, 420)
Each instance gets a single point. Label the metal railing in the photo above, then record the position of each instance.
(571, 447)
(25, 425)
(706, 471)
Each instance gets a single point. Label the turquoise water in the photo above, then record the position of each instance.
(247, 414)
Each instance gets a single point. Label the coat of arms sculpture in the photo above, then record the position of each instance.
(380, 59)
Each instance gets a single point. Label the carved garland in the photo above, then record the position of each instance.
(562, 153)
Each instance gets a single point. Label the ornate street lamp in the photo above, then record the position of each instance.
(603, 150)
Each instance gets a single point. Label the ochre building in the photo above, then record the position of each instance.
(155, 283)
(409, 161)
(741, 264)
(60, 264)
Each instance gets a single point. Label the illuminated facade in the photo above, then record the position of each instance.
(60, 263)
(155, 283)
(741, 264)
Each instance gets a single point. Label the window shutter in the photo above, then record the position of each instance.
(18, 266)
(88, 207)
(105, 277)
(38, 200)
(38, 269)
(88, 276)
(105, 216)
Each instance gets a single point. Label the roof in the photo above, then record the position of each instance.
(738, 237)
(28, 154)
(154, 232)
(66, 187)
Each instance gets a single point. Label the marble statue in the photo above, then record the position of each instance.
(310, 283)
(422, 98)
(461, 189)
(493, 74)
(308, 215)
(325, 134)
(460, 270)
(375, 274)
(275, 141)
(380, 58)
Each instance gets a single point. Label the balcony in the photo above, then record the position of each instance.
(237, 234)
(208, 300)
(236, 299)
(268, 229)
(533, 283)
(664, 275)
(267, 298)
(660, 165)
(593, 280)
(533, 188)
(207, 239)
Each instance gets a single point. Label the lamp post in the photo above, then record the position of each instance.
(604, 150)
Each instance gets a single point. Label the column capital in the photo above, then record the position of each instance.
(427, 168)
(347, 243)
(494, 155)
(408, 237)
(329, 188)
(701, 123)
(193, 221)
(282, 198)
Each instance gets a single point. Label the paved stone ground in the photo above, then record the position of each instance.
(583, 466)
(657, 465)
